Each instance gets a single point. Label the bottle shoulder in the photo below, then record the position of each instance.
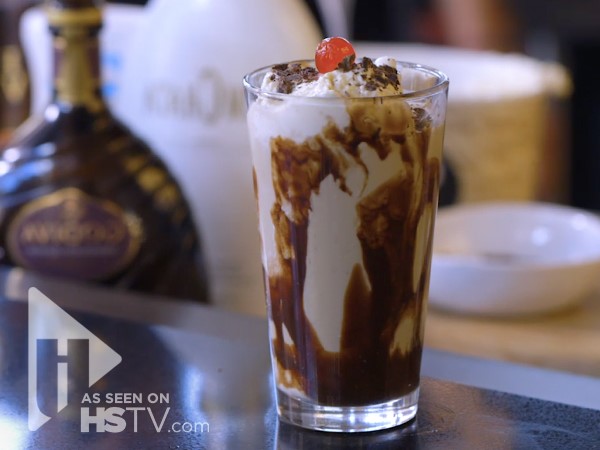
(81, 148)
(75, 130)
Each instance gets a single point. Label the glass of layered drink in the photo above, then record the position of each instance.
(346, 175)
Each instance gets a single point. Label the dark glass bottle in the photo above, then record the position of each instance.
(14, 82)
(80, 196)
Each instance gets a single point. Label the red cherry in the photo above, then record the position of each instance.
(332, 51)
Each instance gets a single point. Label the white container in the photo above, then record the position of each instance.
(182, 92)
(120, 24)
(509, 259)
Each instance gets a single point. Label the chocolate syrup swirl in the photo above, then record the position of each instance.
(381, 341)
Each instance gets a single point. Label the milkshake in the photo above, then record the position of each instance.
(346, 175)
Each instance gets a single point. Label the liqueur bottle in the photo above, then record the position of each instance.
(14, 82)
(80, 196)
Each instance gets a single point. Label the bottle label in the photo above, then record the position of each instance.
(69, 233)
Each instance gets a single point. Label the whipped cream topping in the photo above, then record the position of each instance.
(360, 78)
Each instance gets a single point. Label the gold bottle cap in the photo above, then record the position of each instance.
(74, 12)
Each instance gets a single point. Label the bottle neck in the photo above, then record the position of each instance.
(77, 79)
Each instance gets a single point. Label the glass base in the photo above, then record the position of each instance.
(346, 419)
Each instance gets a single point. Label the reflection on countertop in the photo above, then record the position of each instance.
(217, 385)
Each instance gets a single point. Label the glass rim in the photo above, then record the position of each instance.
(441, 84)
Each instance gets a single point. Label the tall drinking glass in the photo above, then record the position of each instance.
(347, 193)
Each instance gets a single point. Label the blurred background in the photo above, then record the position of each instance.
(567, 33)
(522, 121)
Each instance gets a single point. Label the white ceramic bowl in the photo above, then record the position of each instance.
(513, 258)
